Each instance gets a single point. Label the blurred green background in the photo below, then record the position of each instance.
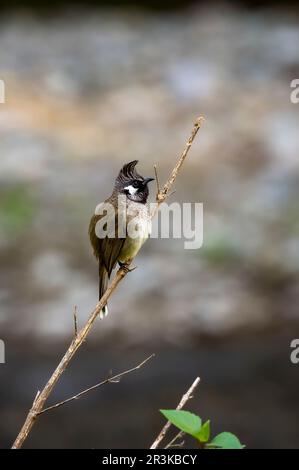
(88, 88)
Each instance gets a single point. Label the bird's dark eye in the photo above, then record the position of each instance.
(135, 184)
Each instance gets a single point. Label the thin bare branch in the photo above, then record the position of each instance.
(157, 179)
(114, 379)
(82, 334)
(36, 396)
(163, 193)
(188, 395)
(75, 322)
(173, 442)
(169, 183)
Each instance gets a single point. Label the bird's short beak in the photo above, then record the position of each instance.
(147, 180)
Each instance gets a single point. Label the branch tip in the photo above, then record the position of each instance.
(186, 397)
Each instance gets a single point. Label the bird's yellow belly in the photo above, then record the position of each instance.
(139, 226)
(131, 248)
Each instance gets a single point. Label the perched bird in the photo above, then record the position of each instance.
(128, 201)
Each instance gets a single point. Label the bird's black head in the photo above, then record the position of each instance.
(133, 185)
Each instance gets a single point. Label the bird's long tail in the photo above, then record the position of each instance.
(103, 284)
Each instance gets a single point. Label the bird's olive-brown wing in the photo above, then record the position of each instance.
(106, 249)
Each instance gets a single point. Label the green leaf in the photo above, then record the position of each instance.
(225, 440)
(204, 433)
(184, 420)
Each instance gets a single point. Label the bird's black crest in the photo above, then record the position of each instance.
(128, 173)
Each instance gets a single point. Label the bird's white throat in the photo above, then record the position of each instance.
(131, 190)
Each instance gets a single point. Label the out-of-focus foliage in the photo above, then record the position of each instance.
(16, 210)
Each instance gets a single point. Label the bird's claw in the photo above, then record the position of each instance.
(126, 267)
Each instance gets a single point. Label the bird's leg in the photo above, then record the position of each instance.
(126, 267)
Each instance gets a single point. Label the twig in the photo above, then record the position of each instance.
(36, 396)
(157, 179)
(164, 192)
(75, 322)
(169, 183)
(82, 334)
(114, 379)
(185, 398)
(176, 438)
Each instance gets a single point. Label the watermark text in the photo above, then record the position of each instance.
(294, 96)
(2, 351)
(177, 221)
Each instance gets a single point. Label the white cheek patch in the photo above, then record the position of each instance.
(131, 190)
